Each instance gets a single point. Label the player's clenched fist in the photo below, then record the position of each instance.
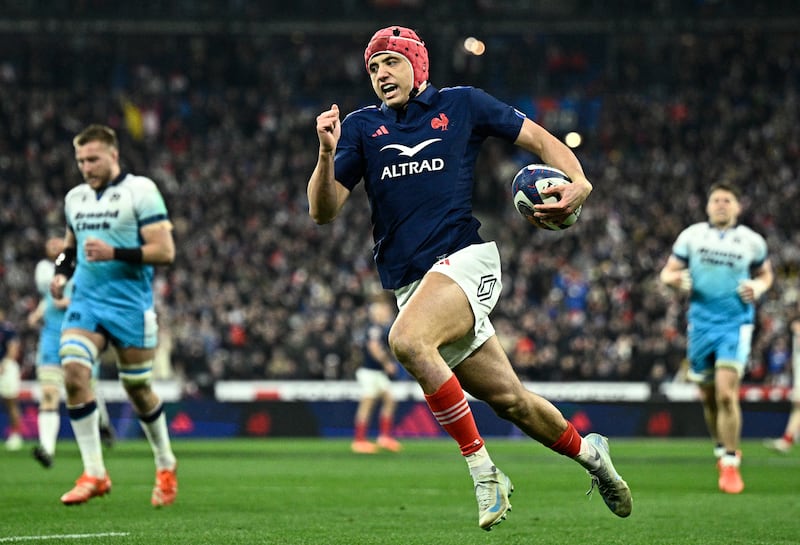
(97, 250)
(329, 129)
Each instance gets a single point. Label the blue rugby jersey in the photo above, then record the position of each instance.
(114, 215)
(418, 167)
(375, 332)
(718, 260)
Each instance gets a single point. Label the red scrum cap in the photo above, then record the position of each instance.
(402, 41)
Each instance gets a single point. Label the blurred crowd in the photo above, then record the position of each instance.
(368, 10)
(225, 125)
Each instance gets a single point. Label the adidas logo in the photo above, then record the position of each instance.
(380, 132)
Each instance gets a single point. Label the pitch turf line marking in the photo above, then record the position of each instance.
(61, 536)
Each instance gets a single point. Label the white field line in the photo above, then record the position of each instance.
(15, 539)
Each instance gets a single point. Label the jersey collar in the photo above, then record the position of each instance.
(722, 231)
(121, 176)
(118, 179)
(416, 105)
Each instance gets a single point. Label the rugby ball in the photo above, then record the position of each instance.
(526, 190)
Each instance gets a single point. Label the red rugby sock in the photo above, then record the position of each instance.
(361, 431)
(569, 443)
(385, 426)
(449, 405)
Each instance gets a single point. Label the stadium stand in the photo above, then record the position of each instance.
(223, 120)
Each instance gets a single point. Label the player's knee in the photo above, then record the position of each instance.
(407, 347)
(394, 339)
(726, 399)
(50, 397)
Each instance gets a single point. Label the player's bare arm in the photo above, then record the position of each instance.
(552, 151)
(158, 247)
(326, 196)
(35, 317)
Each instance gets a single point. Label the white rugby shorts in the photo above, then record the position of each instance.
(10, 380)
(476, 269)
(373, 382)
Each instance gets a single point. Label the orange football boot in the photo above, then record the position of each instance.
(86, 488)
(166, 488)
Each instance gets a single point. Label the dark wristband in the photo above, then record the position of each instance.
(65, 262)
(131, 255)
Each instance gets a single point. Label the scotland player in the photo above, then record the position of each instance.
(117, 229)
(725, 269)
(416, 153)
(50, 312)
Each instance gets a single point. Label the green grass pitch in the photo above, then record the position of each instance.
(314, 491)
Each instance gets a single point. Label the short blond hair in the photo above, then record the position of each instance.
(96, 133)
